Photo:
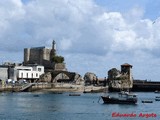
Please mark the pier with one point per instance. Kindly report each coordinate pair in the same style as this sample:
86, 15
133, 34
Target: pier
145, 86
140, 86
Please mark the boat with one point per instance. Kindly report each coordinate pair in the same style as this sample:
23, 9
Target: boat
123, 98
157, 98
56, 92
73, 94
35, 95
86, 91
147, 101
157, 91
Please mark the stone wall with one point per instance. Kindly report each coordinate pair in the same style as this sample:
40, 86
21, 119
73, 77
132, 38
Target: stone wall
120, 80
89, 77
3, 73
26, 55
46, 54
60, 67
35, 56
13, 74
47, 77
39, 55
43, 56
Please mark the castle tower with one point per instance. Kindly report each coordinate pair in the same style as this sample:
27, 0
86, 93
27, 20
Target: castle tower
127, 69
26, 55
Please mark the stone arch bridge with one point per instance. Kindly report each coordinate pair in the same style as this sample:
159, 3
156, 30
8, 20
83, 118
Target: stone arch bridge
60, 76
63, 76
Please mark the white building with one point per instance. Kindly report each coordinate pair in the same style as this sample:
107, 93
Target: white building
26, 72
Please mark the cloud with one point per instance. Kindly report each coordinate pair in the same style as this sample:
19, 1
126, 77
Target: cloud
87, 35
134, 14
65, 44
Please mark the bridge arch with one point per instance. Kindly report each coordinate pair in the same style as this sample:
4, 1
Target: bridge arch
62, 76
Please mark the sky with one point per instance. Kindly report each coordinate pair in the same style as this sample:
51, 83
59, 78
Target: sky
92, 35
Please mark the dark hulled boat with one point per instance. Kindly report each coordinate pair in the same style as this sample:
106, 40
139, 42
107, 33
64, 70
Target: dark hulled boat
157, 98
157, 91
123, 98
147, 101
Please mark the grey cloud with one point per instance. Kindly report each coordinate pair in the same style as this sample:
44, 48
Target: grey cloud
81, 28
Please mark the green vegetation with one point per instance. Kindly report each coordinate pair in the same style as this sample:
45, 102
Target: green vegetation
58, 59
121, 78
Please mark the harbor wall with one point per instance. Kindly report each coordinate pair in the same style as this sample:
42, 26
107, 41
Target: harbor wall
145, 86
140, 86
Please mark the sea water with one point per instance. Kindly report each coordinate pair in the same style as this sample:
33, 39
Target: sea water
48, 106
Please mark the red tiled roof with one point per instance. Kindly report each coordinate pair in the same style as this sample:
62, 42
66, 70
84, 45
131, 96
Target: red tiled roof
126, 64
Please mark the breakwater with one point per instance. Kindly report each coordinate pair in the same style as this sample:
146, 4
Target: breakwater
145, 86
140, 86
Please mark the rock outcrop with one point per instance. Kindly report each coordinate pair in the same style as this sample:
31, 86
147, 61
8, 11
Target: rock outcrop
47, 77
89, 78
78, 79
120, 79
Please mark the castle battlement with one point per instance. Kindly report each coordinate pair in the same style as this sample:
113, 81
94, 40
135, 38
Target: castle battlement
41, 56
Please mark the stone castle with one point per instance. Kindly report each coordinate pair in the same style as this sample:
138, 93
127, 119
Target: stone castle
121, 79
54, 71
42, 56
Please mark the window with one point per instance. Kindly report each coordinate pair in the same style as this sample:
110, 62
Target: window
39, 69
36, 74
32, 75
27, 75
21, 75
